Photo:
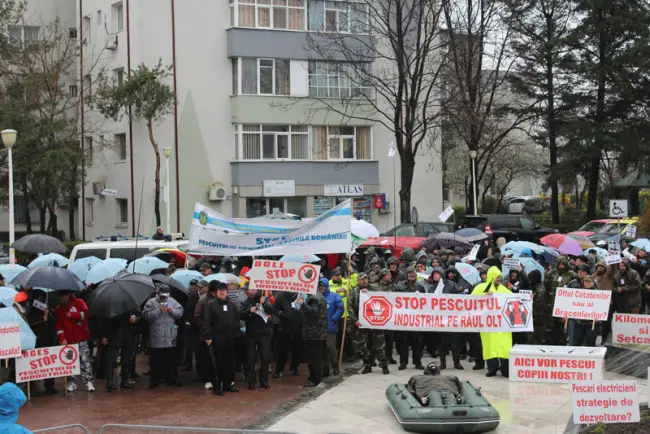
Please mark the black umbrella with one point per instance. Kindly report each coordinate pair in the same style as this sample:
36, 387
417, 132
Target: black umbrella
120, 294
177, 290
52, 278
447, 241
39, 243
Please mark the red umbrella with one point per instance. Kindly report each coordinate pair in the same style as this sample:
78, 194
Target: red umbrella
563, 244
167, 254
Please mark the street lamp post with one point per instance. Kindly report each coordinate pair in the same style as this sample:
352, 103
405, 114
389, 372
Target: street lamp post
9, 140
168, 154
473, 154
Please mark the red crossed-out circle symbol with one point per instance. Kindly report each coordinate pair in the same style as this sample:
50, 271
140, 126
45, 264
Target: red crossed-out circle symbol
377, 310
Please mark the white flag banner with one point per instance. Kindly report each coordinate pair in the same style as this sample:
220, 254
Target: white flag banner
392, 150
214, 234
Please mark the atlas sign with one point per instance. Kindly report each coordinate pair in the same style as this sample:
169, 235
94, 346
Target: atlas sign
378, 310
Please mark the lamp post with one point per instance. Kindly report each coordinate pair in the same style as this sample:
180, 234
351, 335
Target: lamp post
168, 153
473, 154
9, 140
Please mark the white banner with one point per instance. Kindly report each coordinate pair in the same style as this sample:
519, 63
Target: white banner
446, 312
606, 402
9, 341
48, 362
214, 234
582, 304
612, 259
444, 216
631, 329
284, 276
555, 364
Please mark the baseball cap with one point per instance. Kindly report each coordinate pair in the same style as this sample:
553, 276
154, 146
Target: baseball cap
164, 289
362, 275
336, 272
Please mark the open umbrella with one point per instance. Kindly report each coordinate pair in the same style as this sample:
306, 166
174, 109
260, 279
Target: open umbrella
51, 259
472, 234
103, 270
530, 264
305, 259
563, 244
447, 241
7, 296
120, 294
178, 291
9, 271
518, 246
468, 272
146, 265
642, 243
363, 229
56, 279
82, 266
39, 243
599, 251
224, 277
185, 276
584, 242
8, 315
167, 255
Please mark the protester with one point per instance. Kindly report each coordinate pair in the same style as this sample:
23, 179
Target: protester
161, 313
314, 333
2, 280
255, 312
159, 235
72, 328
288, 309
583, 331
334, 314
203, 359
206, 269
197, 288
406, 339
11, 399
43, 323
118, 339
627, 297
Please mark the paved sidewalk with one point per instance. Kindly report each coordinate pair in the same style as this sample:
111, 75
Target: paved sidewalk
358, 405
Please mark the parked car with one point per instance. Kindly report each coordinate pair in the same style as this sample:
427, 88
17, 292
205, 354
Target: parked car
591, 227
611, 229
4, 255
510, 227
122, 249
523, 204
422, 229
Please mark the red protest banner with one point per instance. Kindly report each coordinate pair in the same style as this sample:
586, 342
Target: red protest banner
284, 276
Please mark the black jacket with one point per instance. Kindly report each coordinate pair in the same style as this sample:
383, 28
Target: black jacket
315, 311
255, 325
220, 322
291, 320
45, 331
190, 307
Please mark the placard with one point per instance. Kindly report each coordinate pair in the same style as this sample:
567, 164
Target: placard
631, 231
607, 402
9, 341
48, 362
549, 364
612, 259
284, 276
444, 216
472, 253
630, 329
576, 303
511, 263
446, 312
613, 246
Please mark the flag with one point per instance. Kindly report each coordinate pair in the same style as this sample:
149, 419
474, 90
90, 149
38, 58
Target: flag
391, 150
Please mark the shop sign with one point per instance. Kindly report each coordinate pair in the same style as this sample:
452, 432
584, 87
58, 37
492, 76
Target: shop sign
279, 188
380, 201
345, 190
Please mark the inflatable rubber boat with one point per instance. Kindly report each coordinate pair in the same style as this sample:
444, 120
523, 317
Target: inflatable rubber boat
475, 415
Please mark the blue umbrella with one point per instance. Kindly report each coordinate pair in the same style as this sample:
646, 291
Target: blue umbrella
7, 295
122, 262
146, 265
8, 315
468, 272
599, 251
80, 267
518, 246
472, 234
186, 276
300, 258
9, 271
530, 264
103, 270
642, 243
49, 260
224, 277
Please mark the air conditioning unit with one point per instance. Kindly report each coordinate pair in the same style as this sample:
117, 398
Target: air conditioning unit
112, 43
386, 210
217, 192
98, 187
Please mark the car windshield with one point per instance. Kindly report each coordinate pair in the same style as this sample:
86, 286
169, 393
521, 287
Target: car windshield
611, 228
592, 226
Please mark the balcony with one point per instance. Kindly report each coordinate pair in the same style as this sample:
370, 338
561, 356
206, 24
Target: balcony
253, 173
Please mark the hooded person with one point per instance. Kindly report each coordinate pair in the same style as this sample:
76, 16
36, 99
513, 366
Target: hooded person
405, 259
334, 314
430, 382
542, 312
496, 345
627, 296
314, 333
11, 399
581, 331
558, 278
604, 278
517, 280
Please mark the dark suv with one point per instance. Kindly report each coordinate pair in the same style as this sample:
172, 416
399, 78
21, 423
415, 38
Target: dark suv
511, 227
422, 229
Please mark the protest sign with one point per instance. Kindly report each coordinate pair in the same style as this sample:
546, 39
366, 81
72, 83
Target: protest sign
444, 216
631, 329
613, 246
556, 364
511, 263
582, 303
612, 259
284, 276
9, 341
472, 253
446, 312
48, 362
606, 402
212, 233
631, 231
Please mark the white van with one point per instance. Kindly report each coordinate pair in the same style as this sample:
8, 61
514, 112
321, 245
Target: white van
123, 249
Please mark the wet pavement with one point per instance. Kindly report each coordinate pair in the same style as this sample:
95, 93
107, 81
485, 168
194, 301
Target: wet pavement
190, 405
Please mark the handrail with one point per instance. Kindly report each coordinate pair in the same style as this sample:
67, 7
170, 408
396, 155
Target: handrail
62, 427
185, 428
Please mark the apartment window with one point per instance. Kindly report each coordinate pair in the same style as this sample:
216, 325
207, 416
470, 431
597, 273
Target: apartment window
73, 91
270, 14
265, 76
120, 146
273, 142
122, 212
262, 206
342, 143
119, 76
338, 80
88, 88
88, 148
90, 211
21, 35
338, 16
117, 16
73, 32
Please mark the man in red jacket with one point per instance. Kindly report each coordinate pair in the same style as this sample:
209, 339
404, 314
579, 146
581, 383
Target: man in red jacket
72, 328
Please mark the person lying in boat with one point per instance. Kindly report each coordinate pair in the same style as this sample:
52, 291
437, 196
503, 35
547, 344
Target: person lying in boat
423, 386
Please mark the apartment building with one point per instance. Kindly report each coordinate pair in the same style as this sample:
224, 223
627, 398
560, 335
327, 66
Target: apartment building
250, 133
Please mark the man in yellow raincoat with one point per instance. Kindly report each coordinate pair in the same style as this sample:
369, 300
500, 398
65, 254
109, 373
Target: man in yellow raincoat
496, 345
